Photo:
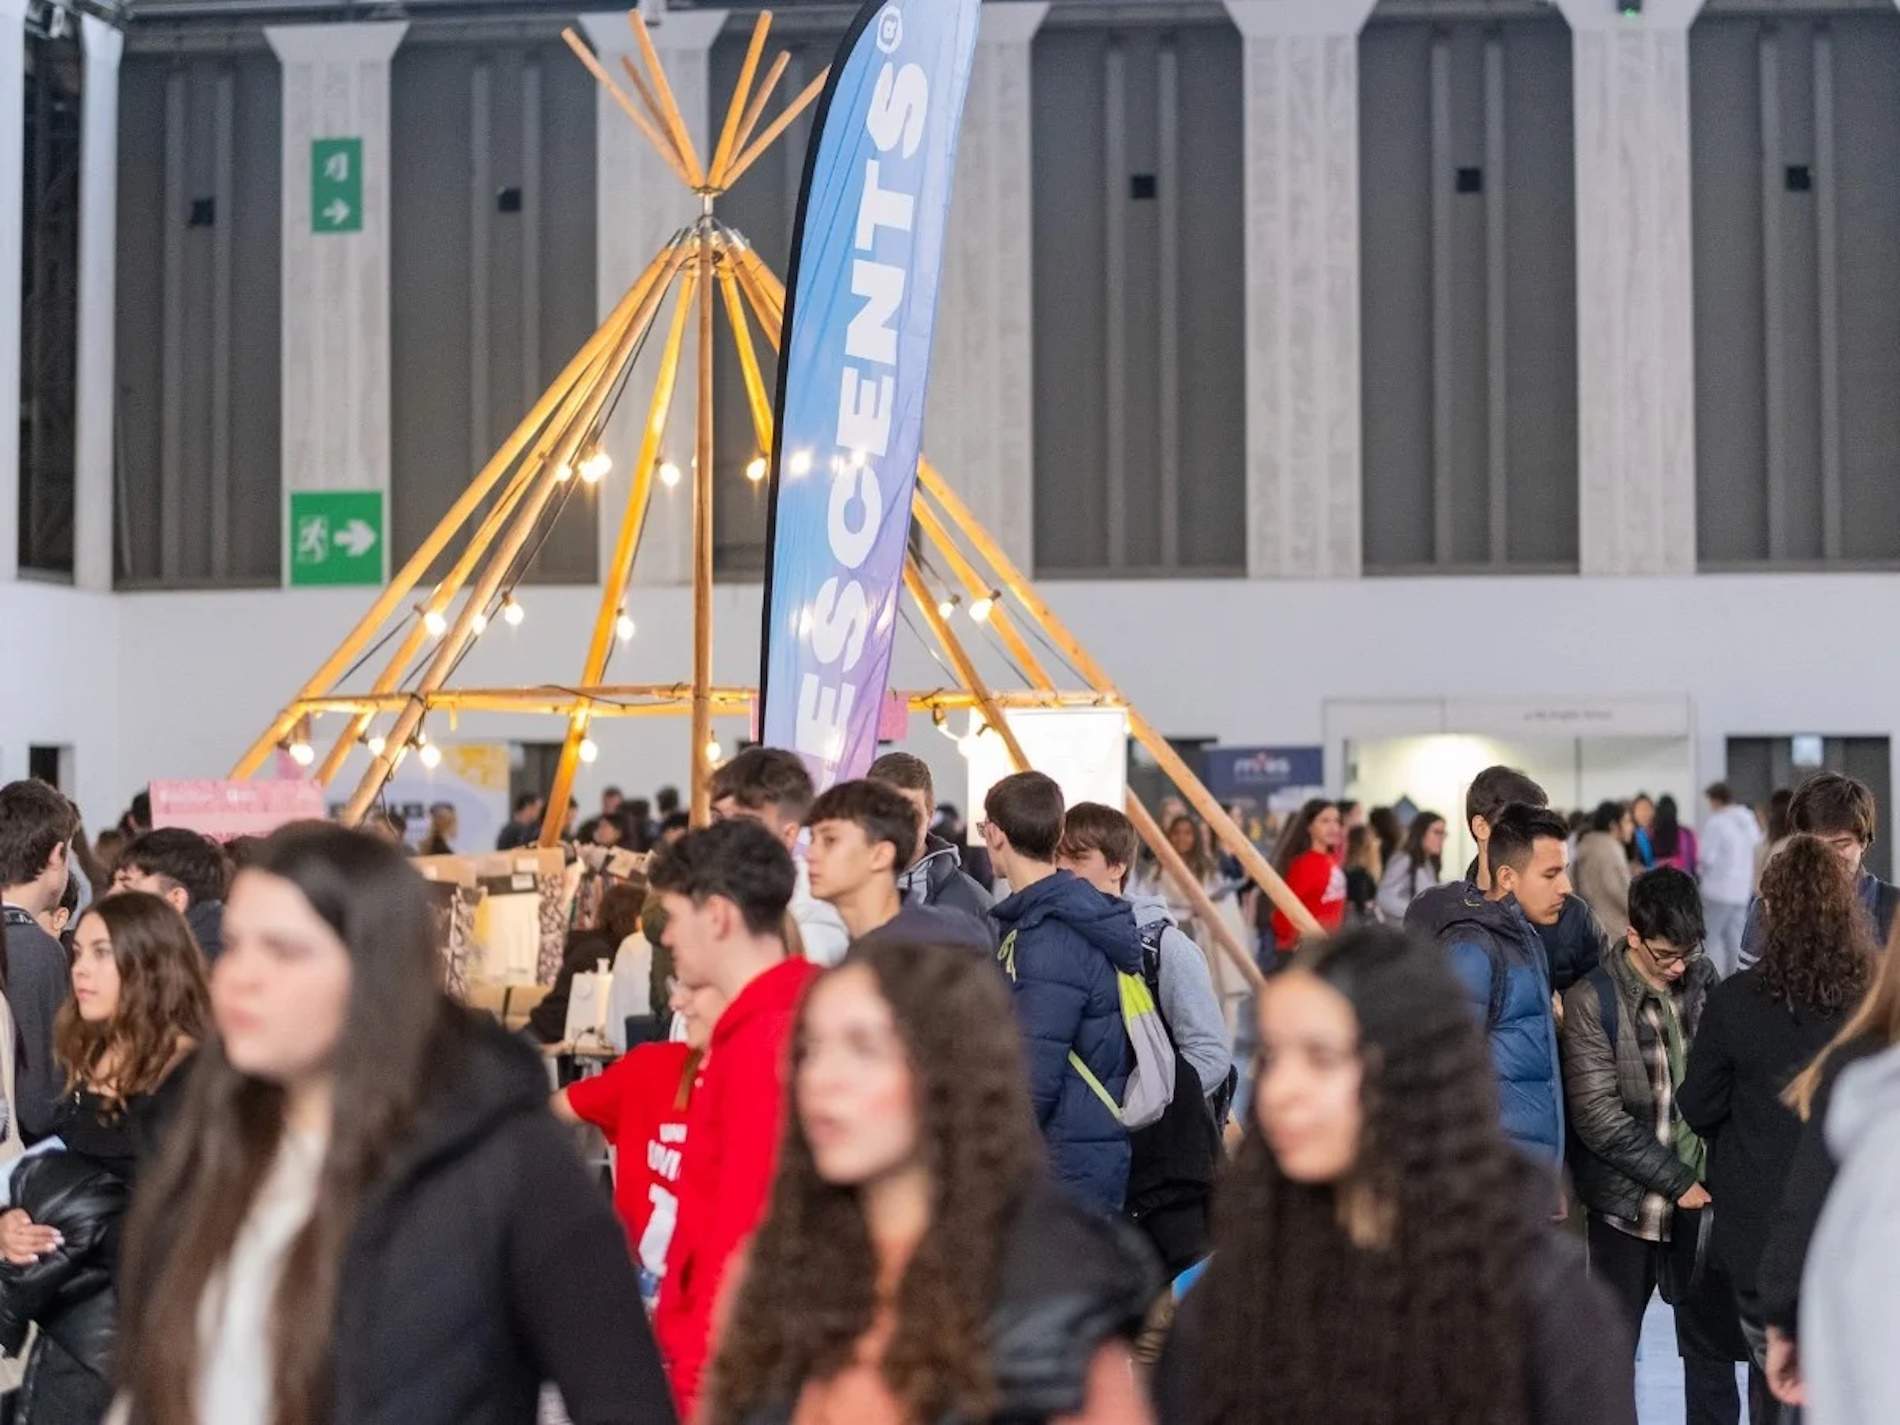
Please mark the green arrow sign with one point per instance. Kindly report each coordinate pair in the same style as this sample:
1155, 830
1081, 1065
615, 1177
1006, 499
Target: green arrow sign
336, 537
336, 185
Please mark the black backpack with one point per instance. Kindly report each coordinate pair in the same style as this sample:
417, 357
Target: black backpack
1176, 1157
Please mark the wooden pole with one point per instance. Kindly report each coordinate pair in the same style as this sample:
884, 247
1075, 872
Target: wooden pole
669, 106
613, 587
662, 144
1158, 747
703, 542
615, 700
736, 106
450, 649
774, 129
748, 358
757, 106
465, 504
1177, 869
974, 588
966, 670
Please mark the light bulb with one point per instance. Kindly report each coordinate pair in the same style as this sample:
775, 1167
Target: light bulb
755, 469
595, 465
623, 627
589, 749
714, 751
669, 474
430, 754
302, 753
982, 608
563, 473
946, 607
512, 612
480, 623
435, 623
801, 463
376, 744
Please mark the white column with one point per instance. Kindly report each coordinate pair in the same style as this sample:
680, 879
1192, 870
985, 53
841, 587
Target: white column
1305, 440
335, 417
98, 296
1635, 288
12, 258
979, 427
639, 202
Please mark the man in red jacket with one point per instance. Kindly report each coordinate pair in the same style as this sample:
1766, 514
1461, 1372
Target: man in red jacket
726, 890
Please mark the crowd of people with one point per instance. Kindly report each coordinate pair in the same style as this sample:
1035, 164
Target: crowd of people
989, 1127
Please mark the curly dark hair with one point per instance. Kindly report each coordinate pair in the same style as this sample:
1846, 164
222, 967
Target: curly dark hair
1431, 1312
1819, 944
809, 1291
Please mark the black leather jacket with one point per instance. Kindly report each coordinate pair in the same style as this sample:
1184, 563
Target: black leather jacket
69, 1290
1072, 1280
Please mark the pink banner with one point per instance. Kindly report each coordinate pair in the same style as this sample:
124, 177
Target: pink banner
226, 810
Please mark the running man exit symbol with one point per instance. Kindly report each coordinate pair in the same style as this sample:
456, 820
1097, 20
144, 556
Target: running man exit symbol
336, 537
336, 185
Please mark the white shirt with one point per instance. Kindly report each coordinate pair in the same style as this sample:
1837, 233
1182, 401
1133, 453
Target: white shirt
1729, 839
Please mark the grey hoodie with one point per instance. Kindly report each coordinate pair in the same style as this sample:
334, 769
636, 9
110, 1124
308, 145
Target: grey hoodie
1850, 1293
1188, 1001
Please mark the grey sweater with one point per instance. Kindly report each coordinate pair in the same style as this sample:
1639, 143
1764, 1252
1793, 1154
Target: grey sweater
1850, 1292
1188, 1001
37, 982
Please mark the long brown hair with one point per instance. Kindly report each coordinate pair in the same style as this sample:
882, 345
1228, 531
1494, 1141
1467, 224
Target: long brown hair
1433, 1314
194, 1200
162, 1000
1819, 950
1878, 1019
1198, 860
1297, 839
809, 1291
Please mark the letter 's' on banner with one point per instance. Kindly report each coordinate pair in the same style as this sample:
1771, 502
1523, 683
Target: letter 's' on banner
853, 364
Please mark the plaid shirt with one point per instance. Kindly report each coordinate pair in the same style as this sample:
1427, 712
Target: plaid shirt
1657, 1211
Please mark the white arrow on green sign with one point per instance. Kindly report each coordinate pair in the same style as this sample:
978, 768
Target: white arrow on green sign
336, 537
336, 185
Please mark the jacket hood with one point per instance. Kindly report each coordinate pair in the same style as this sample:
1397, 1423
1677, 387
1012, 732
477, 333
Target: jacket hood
483, 1076
206, 919
1106, 922
1867, 1095
940, 858
1444, 907
1150, 908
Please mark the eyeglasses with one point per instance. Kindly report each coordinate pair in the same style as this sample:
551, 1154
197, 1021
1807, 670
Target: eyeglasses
1673, 958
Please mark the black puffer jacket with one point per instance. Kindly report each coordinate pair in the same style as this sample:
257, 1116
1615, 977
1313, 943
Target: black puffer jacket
939, 879
68, 1291
1073, 1280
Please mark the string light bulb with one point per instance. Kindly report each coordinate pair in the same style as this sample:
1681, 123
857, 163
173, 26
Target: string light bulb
623, 626
376, 744
595, 465
435, 623
480, 623
755, 469
512, 612
981, 610
302, 753
947, 605
669, 474
563, 473
714, 752
428, 752
589, 750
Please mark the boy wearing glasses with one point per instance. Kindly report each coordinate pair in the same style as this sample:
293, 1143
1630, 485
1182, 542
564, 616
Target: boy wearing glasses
1627, 1027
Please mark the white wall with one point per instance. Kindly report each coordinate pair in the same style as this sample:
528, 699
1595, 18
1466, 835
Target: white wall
176, 684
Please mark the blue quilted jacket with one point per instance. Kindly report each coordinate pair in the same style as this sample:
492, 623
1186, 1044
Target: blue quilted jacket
1067, 941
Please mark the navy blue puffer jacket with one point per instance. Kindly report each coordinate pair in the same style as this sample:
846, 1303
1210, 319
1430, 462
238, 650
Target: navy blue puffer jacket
1067, 941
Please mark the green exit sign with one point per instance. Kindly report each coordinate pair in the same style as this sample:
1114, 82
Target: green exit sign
336, 185
336, 537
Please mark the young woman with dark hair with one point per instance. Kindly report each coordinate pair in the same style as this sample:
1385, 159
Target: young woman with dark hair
1307, 859
1673, 843
364, 1212
1417, 867
916, 1265
1760, 1029
137, 1013
1381, 1253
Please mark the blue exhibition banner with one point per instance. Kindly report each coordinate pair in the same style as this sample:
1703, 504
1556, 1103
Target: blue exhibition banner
861, 299
1264, 778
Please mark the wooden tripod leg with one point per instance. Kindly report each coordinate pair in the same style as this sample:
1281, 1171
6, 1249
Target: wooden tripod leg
775, 128
740, 91
966, 670
455, 642
757, 106
614, 585
1178, 872
465, 505
661, 143
669, 106
748, 358
703, 546
974, 588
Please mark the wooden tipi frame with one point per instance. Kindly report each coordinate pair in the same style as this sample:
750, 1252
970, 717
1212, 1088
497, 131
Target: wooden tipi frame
557, 442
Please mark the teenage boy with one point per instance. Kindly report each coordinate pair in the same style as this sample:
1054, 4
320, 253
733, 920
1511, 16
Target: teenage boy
37, 826
185, 868
1063, 945
1574, 942
933, 869
1841, 812
725, 890
861, 834
1501, 961
770, 785
1638, 1167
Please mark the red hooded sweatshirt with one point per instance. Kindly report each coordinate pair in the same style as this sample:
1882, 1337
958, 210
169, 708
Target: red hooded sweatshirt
733, 1126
